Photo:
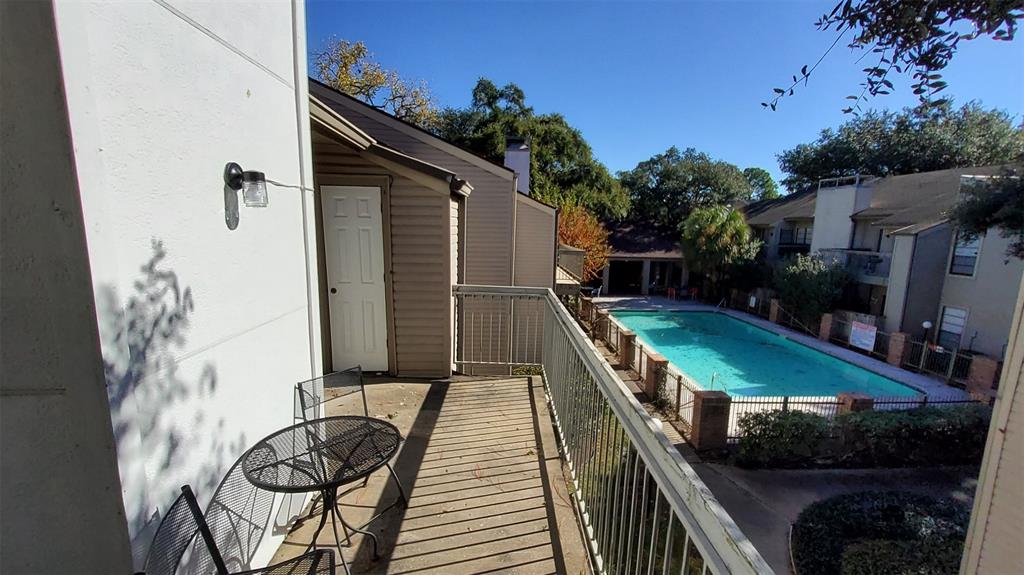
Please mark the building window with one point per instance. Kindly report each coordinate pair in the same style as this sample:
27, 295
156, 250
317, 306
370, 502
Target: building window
951, 328
803, 235
965, 255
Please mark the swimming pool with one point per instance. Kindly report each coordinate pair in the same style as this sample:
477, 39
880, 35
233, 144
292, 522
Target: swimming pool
723, 353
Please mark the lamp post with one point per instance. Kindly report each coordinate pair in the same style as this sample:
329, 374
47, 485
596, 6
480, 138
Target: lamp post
927, 325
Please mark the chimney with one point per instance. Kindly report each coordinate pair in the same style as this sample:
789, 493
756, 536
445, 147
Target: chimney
517, 158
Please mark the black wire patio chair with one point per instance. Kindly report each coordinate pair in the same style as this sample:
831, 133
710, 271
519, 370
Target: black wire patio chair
178, 530
238, 515
311, 398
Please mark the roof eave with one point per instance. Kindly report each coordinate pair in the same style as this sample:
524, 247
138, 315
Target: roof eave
339, 125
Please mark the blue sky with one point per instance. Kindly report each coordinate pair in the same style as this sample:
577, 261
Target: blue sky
637, 78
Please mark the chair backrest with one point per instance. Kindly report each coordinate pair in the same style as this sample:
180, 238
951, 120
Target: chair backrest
312, 394
237, 516
176, 532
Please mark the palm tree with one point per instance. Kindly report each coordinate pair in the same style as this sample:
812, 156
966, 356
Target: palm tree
715, 238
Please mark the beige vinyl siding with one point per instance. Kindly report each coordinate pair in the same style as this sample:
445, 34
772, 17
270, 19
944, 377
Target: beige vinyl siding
535, 243
488, 257
997, 522
987, 295
418, 255
534, 267
420, 279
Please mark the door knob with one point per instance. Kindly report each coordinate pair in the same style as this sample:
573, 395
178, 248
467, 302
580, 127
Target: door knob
334, 290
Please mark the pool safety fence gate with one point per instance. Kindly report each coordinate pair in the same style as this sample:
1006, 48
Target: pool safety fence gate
951, 364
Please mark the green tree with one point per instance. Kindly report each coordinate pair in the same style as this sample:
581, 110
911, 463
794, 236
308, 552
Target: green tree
913, 140
715, 238
350, 68
994, 203
762, 186
563, 170
914, 37
668, 186
809, 286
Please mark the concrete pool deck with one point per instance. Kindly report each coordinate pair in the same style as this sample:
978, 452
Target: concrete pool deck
935, 389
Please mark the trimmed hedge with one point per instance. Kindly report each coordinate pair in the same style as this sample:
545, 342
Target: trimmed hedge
780, 438
881, 557
926, 436
880, 532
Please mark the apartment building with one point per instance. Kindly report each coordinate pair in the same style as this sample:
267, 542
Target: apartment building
908, 264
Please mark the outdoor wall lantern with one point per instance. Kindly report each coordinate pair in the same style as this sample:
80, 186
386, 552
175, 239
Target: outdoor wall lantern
252, 183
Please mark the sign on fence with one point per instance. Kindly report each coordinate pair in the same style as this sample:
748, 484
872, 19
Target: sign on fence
752, 302
863, 335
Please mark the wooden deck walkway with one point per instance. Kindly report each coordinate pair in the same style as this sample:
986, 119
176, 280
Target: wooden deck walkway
487, 493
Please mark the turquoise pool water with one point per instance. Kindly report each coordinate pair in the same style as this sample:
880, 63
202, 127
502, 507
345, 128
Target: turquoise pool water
746, 360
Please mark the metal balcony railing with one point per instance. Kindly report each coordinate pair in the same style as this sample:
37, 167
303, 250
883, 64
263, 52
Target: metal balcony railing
643, 508
860, 263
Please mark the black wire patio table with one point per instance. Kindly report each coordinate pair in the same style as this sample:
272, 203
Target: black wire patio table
321, 455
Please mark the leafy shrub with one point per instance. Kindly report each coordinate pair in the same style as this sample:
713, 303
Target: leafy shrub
809, 286
881, 557
825, 531
926, 436
780, 438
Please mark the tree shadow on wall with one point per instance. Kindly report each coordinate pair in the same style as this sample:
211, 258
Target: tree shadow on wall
158, 402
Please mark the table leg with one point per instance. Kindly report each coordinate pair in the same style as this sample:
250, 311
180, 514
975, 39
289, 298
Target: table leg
370, 534
320, 527
334, 527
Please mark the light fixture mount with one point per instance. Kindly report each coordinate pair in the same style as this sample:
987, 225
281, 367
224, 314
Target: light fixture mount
252, 183
233, 176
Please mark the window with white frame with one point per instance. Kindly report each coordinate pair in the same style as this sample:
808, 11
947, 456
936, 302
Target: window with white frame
965, 255
951, 327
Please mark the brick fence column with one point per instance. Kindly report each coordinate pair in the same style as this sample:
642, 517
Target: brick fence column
773, 311
600, 331
897, 348
852, 402
656, 364
982, 375
825, 331
710, 420
627, 343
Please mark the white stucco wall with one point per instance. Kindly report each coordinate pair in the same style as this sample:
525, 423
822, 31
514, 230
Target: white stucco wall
833, 207
203, 349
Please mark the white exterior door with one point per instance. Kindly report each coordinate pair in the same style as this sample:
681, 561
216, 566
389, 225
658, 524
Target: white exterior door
354, 240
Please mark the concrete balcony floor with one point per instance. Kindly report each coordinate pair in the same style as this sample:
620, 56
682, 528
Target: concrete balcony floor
487, 491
